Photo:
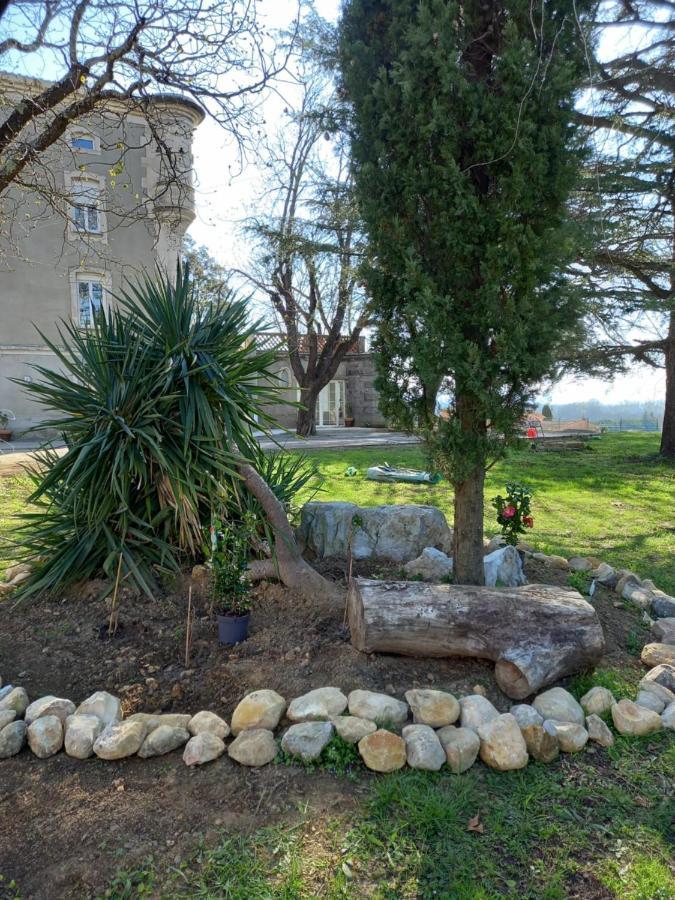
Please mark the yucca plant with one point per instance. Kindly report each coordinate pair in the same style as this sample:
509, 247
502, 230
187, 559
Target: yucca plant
157, 403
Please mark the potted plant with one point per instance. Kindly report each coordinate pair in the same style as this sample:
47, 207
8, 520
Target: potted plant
5, 432
349, 417
230, 587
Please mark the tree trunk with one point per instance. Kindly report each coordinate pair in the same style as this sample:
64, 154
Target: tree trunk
468, 518
668, 432
535, 634
306, 421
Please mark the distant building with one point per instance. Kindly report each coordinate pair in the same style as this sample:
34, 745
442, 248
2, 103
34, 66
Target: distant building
105, 208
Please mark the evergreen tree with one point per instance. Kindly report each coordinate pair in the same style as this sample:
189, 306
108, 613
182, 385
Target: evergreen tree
546, 411
464, 156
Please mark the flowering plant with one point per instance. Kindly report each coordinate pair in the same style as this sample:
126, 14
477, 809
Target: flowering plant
513, 511
227, 559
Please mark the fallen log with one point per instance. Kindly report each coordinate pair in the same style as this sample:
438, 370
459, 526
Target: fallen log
536, 634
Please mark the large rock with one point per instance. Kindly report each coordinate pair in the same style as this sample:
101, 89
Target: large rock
6, 716
253, 747
606, 575
476, 710
431, 565
502, 745
580, 564
663, 606
154, 720
398, 533
307, 739
650, 700
423, 748
379, 708
259, 709
668, 717
663, 675
16, 698
658, 654
81, 733
321, 703
431, 707
383, 751
598, 731
12, 738
103, 705
163, 739
461, 747
206, 721
45, 736
524, 714
203, 748
629, 718
352, 728
49, 706
542, 743
571, 737
559, 705
598, 700
120, 740
504, 568
664, 630
653, 687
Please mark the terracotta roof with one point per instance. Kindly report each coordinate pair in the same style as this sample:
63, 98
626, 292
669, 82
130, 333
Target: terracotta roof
279, 342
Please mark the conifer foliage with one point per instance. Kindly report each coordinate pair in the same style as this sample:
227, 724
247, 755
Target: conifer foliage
464, 154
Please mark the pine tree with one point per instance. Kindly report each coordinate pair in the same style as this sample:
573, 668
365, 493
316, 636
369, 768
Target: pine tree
464, 155
547, 412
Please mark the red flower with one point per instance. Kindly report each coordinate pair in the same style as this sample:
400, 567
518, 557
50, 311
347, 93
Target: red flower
528, 521
509, 512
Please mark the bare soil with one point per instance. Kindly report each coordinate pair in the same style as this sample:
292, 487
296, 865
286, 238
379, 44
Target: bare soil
67, 825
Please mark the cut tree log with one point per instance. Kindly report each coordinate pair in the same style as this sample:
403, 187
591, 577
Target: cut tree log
536, 634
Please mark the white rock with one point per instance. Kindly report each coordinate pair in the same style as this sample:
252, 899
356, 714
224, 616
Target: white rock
319, 704
629, 718
605, 575
45, 736
524, 714
16, 698
662, 674
6, 716
653, 687
597, 700
559, 705
664, 630
101, 704
16, 571
431, 565
206, 721
259, 709
423, 748
352, 728
49, 706
502, 745
307, 739
598, 731
163, 739
253, 747
431, 707
571, 737
650, 700
81, 733
120, 740
476, 710
580, 564
154, 720
379, 708
658, 654
461, 747
504, 567
203, 748
668, 717
12, 738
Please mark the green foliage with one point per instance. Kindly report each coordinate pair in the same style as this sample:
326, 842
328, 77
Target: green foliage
338, 757
156, 402
547, 412
581, 581
228, 552
513, 511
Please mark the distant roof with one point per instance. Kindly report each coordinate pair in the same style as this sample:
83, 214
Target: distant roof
279, 342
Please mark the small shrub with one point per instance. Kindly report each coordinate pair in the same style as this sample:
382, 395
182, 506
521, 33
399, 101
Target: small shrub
513, 511
580, 581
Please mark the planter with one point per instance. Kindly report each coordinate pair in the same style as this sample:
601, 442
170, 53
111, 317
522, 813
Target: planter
349, 422
233, 629
5, 434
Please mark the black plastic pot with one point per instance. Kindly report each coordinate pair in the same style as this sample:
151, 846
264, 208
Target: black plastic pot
233, 629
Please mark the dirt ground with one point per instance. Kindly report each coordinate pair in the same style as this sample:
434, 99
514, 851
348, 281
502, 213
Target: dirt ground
67, 825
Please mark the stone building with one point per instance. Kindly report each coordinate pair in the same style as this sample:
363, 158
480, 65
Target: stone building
104, 205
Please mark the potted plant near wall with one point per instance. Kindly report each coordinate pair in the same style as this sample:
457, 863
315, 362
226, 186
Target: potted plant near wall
349, 417
5, 432
230, 586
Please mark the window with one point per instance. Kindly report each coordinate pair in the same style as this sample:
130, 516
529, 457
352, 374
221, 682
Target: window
90, 296
84, 141
85, 197
284, 376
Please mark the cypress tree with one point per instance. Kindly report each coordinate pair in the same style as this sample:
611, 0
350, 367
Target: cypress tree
464, 154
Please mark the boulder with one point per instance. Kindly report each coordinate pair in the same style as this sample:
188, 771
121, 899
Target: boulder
638, 596
423, 748
559, 705
163, 739
579, 564
598, 731
4, 691
668, 717
12, 738
383, 751
664, 630
652, 687
13, 571
253, 747
379, 708
476, 710
571, 737
397, 533
6, 716
154, 720
120, 740
45, 736
650, 700
431, 707
606, 575
259, 709
504, 568
321, 703
558, 562
542, 743
352, 728
658, 654
502, 745
663, 606
663, 675
307, 739
461, 747
81, 733
524, 714
203, 748
495, 542
49, 706
103, 705
431, 565
625, 578
15, 698
206, 721
597, 700
629, 718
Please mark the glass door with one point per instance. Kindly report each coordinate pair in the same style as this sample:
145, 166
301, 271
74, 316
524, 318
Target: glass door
330, 405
